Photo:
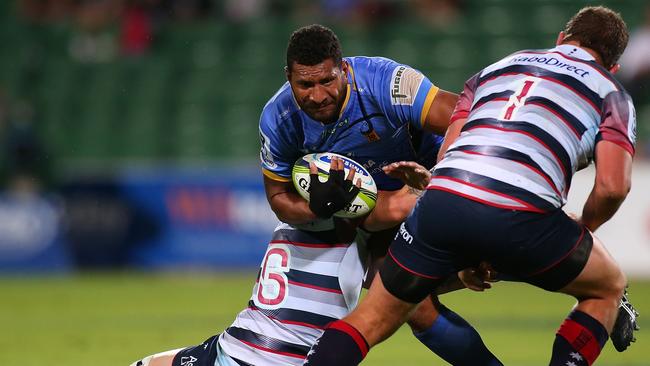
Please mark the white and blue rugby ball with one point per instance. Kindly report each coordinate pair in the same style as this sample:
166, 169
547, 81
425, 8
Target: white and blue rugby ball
365, 200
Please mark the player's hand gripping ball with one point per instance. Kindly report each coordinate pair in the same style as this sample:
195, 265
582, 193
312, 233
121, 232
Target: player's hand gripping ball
334, 195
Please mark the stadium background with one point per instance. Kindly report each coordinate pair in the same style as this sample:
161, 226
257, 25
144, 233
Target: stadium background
132, 215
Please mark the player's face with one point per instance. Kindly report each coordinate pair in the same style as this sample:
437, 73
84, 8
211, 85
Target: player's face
319, 89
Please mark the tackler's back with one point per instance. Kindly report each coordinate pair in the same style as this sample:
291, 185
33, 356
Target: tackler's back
533, 120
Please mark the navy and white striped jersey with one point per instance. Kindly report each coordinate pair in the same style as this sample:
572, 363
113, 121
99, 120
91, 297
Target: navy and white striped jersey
307, 280
533, 120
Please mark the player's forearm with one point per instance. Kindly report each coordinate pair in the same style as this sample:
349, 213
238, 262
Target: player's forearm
289, 207
391, 209
601, 206
452, 134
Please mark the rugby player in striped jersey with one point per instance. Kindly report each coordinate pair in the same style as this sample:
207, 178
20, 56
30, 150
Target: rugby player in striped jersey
521, 129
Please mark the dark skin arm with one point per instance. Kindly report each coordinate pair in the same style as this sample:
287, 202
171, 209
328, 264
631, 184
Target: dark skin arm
612, 184
391, 209
394, 206
287, 204
439, 115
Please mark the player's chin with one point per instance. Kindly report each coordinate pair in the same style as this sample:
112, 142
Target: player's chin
323, 115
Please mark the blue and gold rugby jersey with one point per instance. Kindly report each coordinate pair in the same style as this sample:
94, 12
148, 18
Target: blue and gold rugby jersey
386, 102
309, 278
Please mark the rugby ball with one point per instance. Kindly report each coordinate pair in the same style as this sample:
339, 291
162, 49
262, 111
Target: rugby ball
365, 200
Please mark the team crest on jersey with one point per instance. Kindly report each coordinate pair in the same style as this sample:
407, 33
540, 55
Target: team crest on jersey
368, 131
372, 136
404, 85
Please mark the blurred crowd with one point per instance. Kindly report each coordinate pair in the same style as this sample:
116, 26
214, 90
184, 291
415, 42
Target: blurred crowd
137, 20
37, 206
104, 30
94, 13
25, 162
109, 28
635, 63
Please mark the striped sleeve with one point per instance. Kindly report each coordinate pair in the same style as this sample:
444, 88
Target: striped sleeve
466, 99
618, 121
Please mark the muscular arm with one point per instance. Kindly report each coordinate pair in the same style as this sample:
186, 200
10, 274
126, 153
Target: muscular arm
452, 134
611, 186
459, 116
392, 208
288, 206
438, 117
613, 155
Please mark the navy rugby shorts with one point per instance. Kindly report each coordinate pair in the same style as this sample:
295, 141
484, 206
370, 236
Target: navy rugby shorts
208, 353
446, 233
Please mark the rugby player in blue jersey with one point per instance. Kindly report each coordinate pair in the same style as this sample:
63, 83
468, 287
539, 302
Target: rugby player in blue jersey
377, 112
522, 127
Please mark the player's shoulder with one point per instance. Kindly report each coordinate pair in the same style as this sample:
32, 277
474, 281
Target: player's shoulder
367, 67
619, 97
509, 59
280, 107
379, 75
370, 61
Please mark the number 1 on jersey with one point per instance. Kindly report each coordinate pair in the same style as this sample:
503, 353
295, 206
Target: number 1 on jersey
518, 99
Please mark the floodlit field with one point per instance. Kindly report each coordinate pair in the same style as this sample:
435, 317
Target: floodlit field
113, 319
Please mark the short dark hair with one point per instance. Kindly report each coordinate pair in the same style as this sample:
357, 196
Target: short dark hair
601, 29
312, 45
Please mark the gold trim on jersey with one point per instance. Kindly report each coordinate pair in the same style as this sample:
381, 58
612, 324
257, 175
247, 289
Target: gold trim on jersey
348, 92
274, 176
351, 71
431, 95
345, 102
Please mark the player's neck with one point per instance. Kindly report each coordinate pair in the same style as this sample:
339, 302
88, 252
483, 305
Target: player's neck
341, 106
593, 53
345, 100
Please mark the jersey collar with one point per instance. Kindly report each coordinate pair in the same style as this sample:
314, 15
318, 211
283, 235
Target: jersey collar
574, 51
347, 91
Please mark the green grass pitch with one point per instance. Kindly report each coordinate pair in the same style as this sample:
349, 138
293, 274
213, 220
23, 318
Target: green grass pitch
113, 319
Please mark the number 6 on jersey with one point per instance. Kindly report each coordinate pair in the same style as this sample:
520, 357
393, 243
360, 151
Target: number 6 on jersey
273, 285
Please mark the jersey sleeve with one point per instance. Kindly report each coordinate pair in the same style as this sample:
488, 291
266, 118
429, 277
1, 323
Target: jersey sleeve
276, 152
405, 94
427, 151
618, 121
465, 100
